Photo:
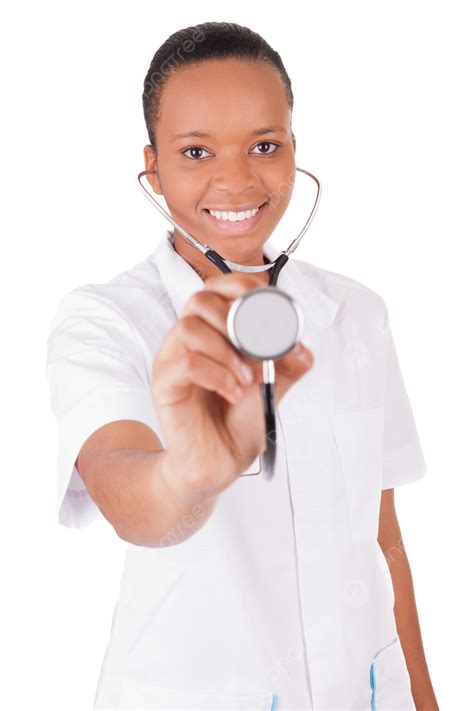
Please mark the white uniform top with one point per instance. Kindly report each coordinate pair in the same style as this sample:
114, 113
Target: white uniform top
283, 599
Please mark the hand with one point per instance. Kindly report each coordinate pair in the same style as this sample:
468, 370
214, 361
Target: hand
213, 434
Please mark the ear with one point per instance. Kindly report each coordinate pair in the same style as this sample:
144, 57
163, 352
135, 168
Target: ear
294, 142
150, 157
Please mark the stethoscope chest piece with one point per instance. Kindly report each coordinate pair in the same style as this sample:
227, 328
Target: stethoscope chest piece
265, 324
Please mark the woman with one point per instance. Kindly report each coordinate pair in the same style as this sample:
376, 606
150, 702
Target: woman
238, 592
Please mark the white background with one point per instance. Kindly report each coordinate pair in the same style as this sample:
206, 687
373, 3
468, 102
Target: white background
383, 115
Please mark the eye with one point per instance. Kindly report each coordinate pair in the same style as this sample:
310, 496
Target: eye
196, 149
193, 148
268, 143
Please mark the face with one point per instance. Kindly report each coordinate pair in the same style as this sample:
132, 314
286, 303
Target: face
239, 155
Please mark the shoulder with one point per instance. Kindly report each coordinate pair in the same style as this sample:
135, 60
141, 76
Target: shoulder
355, 300
127, 300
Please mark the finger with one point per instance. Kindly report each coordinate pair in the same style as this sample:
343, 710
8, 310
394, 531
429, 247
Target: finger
210, 307
214, 309
173, 379
299, 359
213, 303
199, 337
292, 367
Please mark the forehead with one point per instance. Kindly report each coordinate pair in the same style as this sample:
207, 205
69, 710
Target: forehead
223, 96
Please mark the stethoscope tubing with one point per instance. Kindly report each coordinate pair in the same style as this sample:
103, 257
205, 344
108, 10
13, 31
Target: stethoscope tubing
226, 266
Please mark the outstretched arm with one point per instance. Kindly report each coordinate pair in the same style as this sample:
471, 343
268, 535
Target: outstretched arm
406, 616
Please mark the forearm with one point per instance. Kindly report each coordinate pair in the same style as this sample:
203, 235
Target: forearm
138, 494
408, 628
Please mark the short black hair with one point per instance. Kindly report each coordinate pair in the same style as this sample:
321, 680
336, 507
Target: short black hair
195, 44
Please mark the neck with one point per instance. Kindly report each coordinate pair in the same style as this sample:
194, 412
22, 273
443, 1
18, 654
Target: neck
205, 268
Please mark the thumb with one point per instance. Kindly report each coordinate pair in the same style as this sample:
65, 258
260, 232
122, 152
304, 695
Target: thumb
287, 370
292, 367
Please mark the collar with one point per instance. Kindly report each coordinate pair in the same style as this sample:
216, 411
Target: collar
181, 281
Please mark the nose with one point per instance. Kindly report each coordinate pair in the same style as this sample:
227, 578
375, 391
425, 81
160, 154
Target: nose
234, 176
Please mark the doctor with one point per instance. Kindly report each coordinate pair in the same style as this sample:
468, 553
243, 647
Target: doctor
238, 593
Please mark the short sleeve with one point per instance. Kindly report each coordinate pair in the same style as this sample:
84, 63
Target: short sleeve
403, 460
96, 374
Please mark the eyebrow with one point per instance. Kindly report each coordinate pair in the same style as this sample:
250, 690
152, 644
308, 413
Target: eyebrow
201, 134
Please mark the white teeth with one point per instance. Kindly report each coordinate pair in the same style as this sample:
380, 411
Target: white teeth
234, 216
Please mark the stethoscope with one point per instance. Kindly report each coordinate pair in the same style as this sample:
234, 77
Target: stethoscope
265, 323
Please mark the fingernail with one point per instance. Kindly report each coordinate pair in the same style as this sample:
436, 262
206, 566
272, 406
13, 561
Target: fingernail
247, 372
303, 355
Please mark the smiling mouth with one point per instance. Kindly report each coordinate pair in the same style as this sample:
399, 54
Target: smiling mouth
236, 227
235, 211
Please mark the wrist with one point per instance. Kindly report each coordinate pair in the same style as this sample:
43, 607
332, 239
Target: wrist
185, 487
